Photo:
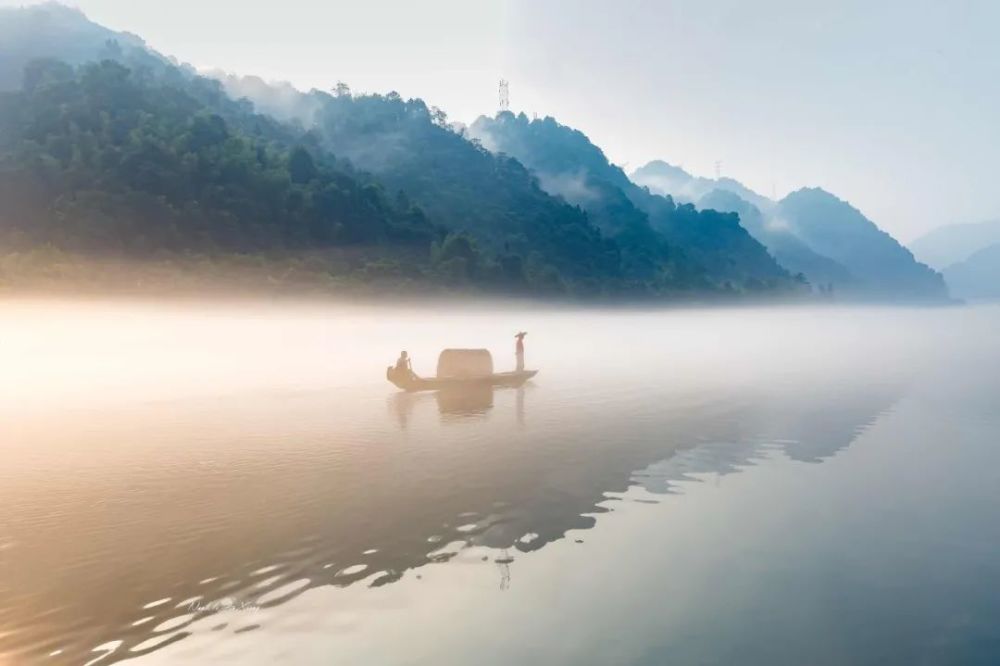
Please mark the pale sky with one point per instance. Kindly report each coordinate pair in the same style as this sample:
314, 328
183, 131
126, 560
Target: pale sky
893, 105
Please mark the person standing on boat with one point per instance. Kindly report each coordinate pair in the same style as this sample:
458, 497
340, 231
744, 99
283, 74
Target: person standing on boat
519, 351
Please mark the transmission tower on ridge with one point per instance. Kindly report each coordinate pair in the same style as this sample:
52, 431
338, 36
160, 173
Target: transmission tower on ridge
718, 169
504, 95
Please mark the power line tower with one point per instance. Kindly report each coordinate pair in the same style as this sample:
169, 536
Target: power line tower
718, 169
503, 563
504, 95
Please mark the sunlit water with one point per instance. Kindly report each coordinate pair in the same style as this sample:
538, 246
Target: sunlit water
237, 483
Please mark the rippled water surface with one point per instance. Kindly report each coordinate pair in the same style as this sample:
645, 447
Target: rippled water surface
237, 483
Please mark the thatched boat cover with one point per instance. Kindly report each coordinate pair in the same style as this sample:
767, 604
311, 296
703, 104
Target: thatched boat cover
465, 363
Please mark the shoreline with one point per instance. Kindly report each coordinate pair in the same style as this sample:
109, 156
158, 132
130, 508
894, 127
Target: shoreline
46, 274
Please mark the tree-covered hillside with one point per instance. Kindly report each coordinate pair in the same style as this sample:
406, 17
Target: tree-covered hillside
410, 147
570, 175
507, 207
570, 165
790, 251
102, 158
108, 160
107, 147
55, 31
112, 161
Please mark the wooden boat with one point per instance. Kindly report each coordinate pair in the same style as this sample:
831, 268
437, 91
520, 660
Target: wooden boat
511, 379
460, 369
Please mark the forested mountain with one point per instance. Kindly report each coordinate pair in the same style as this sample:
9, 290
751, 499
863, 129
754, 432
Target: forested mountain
103, 158
569, 165
109, 147
135, 155
977, 276
946, 246
515, 234
54, 31
835, 229
494, 197
789, 250
465, 188
111, 161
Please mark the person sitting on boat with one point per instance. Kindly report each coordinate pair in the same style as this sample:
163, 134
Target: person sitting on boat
519, 351
404, 368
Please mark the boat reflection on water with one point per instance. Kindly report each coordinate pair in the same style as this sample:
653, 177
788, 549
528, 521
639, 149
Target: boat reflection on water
473, 402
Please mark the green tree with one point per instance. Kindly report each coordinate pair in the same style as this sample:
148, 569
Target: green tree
301, 166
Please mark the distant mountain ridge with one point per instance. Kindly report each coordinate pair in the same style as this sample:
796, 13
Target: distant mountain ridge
968, 255
976, 277
813, 232
835, 229
955, 243
663, 178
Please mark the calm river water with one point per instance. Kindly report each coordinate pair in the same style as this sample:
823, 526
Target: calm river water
237, 483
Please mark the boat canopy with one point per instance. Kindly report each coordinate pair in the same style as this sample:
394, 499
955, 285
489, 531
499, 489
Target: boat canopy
461, 363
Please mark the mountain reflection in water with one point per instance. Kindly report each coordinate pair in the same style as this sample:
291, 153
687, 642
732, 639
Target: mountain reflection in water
130, 522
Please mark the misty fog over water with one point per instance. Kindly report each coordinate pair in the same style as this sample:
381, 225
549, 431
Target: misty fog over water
236, 482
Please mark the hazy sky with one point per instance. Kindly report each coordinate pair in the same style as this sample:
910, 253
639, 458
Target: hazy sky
893, 105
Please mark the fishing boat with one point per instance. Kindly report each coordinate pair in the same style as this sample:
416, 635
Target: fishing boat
458, 369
